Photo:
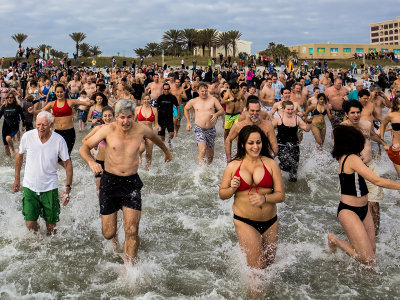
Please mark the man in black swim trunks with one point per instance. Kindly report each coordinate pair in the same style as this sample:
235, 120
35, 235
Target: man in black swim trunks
120, 184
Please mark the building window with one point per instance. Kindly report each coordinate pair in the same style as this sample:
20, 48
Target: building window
359, 50
334, 50
384, 50
374, 34
396, 31
374, 28
390, 31
391, 25
346, 50
386, 33
320, 50
374, 40
381, 39
396, 37
386, 39
395, 24
310, 51
390, 38
385, 26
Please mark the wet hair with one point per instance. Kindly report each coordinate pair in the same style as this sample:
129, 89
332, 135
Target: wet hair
60, 85
145, 95
316, 88
286, 103
323, 96
49, 116
166, 84
83, 92
104, 102
351, 103
8, 95
102, 87
363, 92
283, 89
347, 140
243, 84
234, 85
396, 103
252, 99
124, 106
108, 108
244, 136
202, 85
30, 98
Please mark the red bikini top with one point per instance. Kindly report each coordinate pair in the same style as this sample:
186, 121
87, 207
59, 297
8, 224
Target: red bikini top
150, 119
64, 111
266, 182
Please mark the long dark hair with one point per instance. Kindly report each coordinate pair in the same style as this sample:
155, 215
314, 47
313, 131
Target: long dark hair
396, 103
347, 140
244, 136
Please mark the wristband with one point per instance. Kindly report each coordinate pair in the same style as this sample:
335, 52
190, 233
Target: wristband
68, 185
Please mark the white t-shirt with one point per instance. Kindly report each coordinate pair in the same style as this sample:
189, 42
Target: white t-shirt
42, 160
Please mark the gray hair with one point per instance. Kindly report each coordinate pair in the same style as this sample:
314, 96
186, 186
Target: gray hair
47, 115
359, 82
124, 106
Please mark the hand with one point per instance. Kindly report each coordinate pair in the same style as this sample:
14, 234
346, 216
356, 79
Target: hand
395, 147
235, 182
213, 118
92, 102
158, 127
96, 168
168, 156
257, 199
66, 195
16, 185
188, 126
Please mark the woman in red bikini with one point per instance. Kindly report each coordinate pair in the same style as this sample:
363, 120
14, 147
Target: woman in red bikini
255, 181
147, 115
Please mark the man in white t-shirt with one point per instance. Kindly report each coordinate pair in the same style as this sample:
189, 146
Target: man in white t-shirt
43, 147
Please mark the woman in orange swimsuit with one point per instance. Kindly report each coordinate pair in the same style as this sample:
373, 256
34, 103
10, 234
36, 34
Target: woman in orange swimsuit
147, 115
255, 181
393, 117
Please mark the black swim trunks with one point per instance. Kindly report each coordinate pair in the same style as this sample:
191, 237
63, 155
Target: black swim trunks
101, 162
118, 191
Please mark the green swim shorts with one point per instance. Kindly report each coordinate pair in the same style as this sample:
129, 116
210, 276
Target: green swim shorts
46, 205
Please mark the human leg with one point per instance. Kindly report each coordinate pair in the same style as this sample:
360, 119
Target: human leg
131, 227
149, 153
202, 152
317, 136
373, 208
270, 243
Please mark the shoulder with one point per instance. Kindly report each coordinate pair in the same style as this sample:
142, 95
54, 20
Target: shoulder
233, 166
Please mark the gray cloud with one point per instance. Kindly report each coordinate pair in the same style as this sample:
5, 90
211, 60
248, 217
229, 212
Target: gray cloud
122, 25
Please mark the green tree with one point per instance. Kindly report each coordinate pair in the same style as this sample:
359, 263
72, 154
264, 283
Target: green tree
85, 49
55, 53
207, 38
19, 38
190, 38
173, 39
141, 52
42, 48
234, 35
277, 50
95, 50
153, 49
78, 37
224, 40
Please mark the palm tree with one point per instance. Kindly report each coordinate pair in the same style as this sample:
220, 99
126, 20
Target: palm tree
173, 38
153, 49
235, 36
224, 40
190, 37
95, 50
85, 49
19, 38
141, 52
207, 38
42, 48
77, 37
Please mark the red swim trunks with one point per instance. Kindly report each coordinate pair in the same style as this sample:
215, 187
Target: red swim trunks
394, 156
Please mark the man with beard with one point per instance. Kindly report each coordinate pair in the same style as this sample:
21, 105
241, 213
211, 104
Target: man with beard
336, 94
253, 108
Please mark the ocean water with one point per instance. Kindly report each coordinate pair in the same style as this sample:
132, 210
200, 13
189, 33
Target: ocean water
188, 246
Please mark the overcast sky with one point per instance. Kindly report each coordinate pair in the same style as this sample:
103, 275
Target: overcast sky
123, 25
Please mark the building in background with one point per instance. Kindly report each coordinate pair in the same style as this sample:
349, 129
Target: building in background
333, 51
386, 32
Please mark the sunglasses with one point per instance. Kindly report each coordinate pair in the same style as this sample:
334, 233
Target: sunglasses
10, 97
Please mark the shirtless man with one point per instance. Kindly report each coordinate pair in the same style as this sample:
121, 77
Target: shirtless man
336, 94
120, 88
205, 119
74, 87
179, 92
297, 96
142, 77
379, 99
304, 90
234, 101
214, 89
253, 110
120, 184
357, 117
326, 81
267, 96
277, 108
155, 89
89, 87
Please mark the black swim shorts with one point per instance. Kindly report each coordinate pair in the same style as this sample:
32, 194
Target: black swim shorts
118, 191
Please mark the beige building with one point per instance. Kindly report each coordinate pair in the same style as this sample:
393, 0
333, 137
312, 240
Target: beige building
334, 51
386, 32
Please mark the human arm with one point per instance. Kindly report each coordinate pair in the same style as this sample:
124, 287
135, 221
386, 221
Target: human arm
72, 102
135, 117
19, 158
376, 138
90, 115
228, 97
68, 181
229, 183
273, 110
148, 133
270, 132
188, 106
310, 109
233, 133
220, 111
303, 125
156, 125
386, 120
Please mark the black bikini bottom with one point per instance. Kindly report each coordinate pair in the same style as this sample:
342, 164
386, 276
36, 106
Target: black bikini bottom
260, 226
361, 211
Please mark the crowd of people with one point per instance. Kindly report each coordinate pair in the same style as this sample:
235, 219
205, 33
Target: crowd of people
265, 110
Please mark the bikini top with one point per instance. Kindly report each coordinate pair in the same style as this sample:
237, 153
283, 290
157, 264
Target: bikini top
352, 184
142, 118
266, 182
96, 114
64, 111
102, 143
396, 126
317, 112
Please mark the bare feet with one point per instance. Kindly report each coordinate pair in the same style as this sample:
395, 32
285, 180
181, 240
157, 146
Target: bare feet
332, 242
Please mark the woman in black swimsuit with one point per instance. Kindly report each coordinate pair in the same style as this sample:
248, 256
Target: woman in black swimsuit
255, 181
353, 212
